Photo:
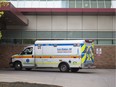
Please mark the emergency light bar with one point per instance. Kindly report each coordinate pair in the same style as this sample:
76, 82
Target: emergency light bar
89, 41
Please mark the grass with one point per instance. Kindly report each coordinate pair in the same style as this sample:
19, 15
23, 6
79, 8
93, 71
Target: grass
24, 84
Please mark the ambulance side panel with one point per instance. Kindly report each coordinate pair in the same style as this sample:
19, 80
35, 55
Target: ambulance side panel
51, 55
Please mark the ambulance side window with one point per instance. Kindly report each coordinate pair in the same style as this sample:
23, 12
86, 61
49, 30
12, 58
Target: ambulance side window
39, 46
27, 51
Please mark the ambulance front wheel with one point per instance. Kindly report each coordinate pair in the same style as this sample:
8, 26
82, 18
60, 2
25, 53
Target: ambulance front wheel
74, 69
64, 67
28, 69
18, 66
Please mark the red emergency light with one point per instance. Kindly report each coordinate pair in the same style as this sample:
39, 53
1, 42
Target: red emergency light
89, 41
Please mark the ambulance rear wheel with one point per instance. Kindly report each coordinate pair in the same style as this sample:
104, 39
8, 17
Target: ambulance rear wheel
18, 66
64, 67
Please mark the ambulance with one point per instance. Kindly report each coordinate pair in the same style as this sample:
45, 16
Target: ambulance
67, 55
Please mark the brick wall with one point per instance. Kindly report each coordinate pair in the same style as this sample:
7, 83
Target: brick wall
106, 60
108, 57
6, 51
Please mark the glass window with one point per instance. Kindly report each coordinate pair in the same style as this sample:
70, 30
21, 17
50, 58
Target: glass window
21, 4
17, 41
59, 35
49, 3
35, 4
28, 3
71, 3
11, 34
28, 34
86, 4
105, 34
78, 3
95, 41
113, 4
6, 41
114, 42
11, 41
114, 34
108, 3
101, 4
64, 3
27, 51
43, 35
28, 41
104, 41
89, 34
57, 4
93, 3
75, 35
42, 4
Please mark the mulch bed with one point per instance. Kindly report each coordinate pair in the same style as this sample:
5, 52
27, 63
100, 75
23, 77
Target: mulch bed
24, 84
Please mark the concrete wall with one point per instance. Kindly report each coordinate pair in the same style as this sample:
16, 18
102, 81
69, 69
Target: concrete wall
68, 23
106, 60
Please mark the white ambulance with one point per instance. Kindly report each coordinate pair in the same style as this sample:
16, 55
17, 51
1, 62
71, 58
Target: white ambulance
63, 54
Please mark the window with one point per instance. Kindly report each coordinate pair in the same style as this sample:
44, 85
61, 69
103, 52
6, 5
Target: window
55, 45
78, 3
28, 41
17, 41
6, 41
49, 3
86, 4
108, 3
57, 4
105, 34
72, 4
28, 3
93, 4
104, 42
64, 3
27, 51
39, 46
29, 34
42, 4
35, 4
101, 4
21, 4
114, 41
95, 41
59, 35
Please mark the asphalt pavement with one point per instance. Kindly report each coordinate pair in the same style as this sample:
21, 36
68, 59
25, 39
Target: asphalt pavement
83, 78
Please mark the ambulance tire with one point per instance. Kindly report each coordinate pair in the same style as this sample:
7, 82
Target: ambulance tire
18, 66
28, 69
74, 69
64, 67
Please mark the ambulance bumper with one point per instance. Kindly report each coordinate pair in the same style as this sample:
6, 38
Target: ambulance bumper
88, 66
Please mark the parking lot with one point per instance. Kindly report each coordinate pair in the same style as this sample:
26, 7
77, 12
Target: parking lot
83, 78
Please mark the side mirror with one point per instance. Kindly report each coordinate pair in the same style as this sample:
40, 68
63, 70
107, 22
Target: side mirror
22, 53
